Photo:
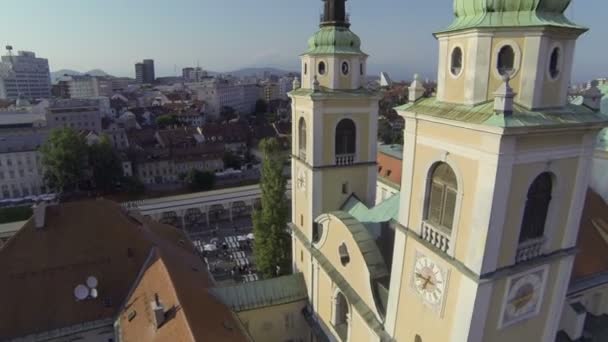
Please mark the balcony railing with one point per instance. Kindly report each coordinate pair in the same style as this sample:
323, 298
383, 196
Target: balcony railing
437, 237
529, 249
345, 159
302, 154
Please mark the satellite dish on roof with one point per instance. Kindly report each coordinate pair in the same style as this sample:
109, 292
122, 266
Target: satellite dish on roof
81, 292
93, 293
92, 282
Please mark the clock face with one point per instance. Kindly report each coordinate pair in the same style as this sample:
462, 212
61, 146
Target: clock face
523, 299
429, 280
301, 180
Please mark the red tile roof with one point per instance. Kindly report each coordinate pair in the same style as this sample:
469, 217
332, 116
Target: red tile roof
41, 267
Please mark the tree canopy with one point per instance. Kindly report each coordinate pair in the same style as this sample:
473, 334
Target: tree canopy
200, 180
64, 157
106, 167
272, 241
165, 121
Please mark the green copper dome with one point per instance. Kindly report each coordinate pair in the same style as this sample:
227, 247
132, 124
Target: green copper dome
334, 40
510, 13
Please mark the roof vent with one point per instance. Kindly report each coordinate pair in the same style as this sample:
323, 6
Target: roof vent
159, 311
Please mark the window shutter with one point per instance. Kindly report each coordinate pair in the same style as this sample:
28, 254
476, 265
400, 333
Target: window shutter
435, 203
449, 209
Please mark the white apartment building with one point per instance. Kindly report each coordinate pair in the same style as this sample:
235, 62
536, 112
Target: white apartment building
21, 172
24, 75
219, 93
285, 86
86, 86
79, 114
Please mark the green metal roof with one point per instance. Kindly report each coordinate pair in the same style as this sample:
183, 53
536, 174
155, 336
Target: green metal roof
393, 150
334, 40
325, 92
383, 212
510, 13
351, 295
366, 243
262, 293
483, 114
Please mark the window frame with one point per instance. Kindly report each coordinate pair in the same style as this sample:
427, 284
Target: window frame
451, 62
516, 58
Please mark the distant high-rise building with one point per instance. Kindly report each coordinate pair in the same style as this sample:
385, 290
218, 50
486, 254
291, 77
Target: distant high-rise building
194, 74
144, 72
24, 75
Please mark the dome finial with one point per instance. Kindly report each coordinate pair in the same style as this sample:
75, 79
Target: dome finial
334, 13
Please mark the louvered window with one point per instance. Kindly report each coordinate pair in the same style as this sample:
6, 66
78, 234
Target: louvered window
442, 196
537, 207
345, 137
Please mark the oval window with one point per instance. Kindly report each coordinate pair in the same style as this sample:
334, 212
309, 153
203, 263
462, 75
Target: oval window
322, 68
506, 60
456, 61
344, 255
345, 68
554, 63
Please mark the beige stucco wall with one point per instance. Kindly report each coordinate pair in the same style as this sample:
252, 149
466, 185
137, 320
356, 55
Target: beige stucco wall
413, 315
277, 323
531, 329
456, 85
495, 81
565, 171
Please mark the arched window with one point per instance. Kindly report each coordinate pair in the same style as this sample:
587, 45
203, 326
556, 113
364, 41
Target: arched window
317, 232
302, 138
506, 60
456, 61
346, 140
442, 196
554, 63
305, 68
537, 207
341, 315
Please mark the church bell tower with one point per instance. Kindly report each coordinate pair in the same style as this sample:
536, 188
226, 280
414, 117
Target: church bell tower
334, 123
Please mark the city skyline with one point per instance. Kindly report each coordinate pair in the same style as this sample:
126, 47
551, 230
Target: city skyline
113, 35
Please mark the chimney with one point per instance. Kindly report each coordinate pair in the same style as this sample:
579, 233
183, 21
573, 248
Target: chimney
39, 214
159, 311
415, 90
503, 97
592, 97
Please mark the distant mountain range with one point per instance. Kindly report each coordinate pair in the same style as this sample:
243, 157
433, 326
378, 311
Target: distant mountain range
55, 75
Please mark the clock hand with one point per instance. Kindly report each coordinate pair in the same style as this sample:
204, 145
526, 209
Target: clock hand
520, 301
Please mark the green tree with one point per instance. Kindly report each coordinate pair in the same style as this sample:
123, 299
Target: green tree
105, 165
261, 106
64, 157
165, 121
14, 214
272, 241
231, 160
133, 185
200, 180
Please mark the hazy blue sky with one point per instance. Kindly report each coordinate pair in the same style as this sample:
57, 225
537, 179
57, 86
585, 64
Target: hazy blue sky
223, 35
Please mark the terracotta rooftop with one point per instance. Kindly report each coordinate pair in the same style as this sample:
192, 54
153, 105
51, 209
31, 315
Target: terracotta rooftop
592, 257
41, 268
